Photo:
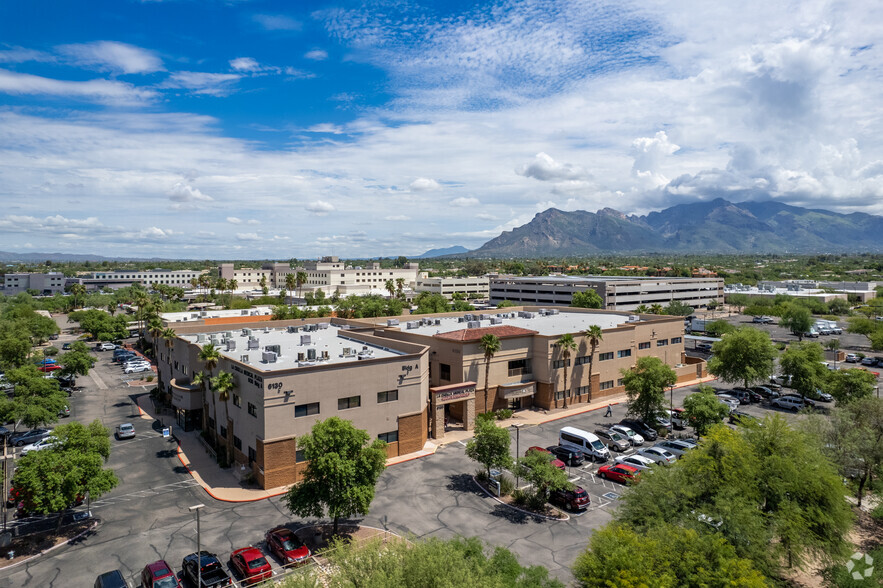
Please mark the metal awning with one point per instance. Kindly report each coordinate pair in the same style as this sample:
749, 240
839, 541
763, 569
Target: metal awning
516, 390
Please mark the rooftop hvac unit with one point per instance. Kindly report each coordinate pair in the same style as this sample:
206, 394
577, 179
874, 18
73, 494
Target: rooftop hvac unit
300, 355
521, 313
392, 322
543, 312
228, 334
436, 322
248, 332
291, 329
306, 339
194, 315
496, 321
345, 327
266, 329
200, 338
254, 343
277, 349
325, 355
469, 317
412, 324
322, 325
202, 313
484, 317
634, 318
311, 354
473, 324
243, 358
528, 315
366, 354
461, 319
553, 311
268, 357
244, 312
348, 352
231, 345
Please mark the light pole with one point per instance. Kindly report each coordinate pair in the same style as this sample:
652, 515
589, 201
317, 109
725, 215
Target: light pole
671, 401
517, 450
198, 546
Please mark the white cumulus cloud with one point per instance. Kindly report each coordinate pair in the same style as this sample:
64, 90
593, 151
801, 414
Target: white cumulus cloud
182, 192
248, 236
423, 185
113, 57
463, 202
316, 55
320, 207
649, 154
544, 168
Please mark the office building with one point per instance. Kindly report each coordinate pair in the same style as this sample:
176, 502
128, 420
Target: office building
471, 287
46, 284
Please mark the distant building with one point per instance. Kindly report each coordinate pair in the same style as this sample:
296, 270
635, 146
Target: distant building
45, 284
861, 291
472, 287
795, 290
123, 278
616, 292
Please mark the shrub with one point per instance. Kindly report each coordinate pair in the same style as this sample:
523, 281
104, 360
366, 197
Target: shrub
484, 416
50, 351
481, 476
504, 414
536, 502
507, 485
520, 497
149, 378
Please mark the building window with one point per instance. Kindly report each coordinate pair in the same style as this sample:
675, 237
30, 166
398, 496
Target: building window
606, 385
582, 359
237, 400
237, 442
605, 356
306, 409
224, 432
518, 367
662, 343
624, 353
444, 372
620, 382
560, 394
676, 340
388, 396
211, 424
299, 456
583, 390
252, 409
644, 345
349, 402
390, 437
252, 455
560, 363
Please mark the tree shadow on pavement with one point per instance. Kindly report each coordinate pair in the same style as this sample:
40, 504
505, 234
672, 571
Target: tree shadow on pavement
463, 483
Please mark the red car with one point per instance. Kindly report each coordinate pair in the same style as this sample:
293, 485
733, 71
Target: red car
286, 546
49, 367
251, 565
552, 459
159, 574
619, 472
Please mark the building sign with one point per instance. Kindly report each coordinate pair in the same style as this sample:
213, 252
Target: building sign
519, 390
446, 396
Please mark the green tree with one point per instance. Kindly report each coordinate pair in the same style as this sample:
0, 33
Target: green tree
300, 278
36, 400
263, 282
642, 309
645, 386
209, 355
490, 345
400, 287
536, 467
52, 479
703, 409
743, 356
798, 319
155, 329
667, 556
678, 308
224, 384
390, 287
594, 335
586, 299
863, 326
506, 304
848, 385
718, 328
655, 309
78, 292
566, 345
77, 361
740, 301
462, 306
341, 473
430, 303
290, 284
804, 362
490, 445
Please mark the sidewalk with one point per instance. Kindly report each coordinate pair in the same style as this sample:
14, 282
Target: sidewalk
225, 486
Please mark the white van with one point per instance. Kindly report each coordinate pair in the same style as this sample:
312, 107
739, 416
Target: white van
588, 443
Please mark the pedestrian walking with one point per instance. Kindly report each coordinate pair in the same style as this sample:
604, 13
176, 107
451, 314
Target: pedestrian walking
609, 411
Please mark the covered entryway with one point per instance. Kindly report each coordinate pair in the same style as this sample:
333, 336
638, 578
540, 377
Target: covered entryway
461, 400
518, 395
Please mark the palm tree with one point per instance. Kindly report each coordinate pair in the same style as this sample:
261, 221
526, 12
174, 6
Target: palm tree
111, 308
205, 281
490, 345
594, 336
656, 308
209, 355
77, 293
642, 309
290, 284
300, 279
223, 384
565, 344
155, 328
263, 283
232, 284
390, 287
400, 287
200, 379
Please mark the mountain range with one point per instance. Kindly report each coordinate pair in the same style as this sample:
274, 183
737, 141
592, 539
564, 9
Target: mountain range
452, 251
716, 226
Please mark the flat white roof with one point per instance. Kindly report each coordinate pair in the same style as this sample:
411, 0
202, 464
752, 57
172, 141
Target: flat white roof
548, 325
197, 315
293, 346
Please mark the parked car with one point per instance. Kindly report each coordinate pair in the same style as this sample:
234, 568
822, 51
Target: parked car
571, 457
137, 369
869, 361
807, 401
588, 443
619, 473
781, 380
629, 433
286, 546
636, 461
213, 573
763, 320
159, 574
107, 347
823, 396
613, 440
552, 459
741, 394
789, 403
675, 447
811, 334
852, 358
65, 411
66, 347
658, 454
28, 437
645, 431
250, 565
125, 431
738, 416
768, 391
576, 499
41, 444
49, 367
112, 579
703, 347
730, 401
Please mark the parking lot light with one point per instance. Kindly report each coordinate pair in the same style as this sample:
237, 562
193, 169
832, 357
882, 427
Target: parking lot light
197, 508
517, 449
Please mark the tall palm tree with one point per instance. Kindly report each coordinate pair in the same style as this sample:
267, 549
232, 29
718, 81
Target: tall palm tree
390, 287
566, 345
300, 279
111, 308
200, 379
656, 308
290, 284
209, 355
155, 328
490, 345
594, 336
400, 287
642, 309
223, 384
205, 281
232, 284
263, 283
78, 291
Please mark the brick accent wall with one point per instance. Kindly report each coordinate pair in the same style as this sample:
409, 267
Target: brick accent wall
412, 433
543, 396
277, 461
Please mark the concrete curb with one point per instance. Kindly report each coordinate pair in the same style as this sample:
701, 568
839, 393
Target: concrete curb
208, 489
521, 510
53, 548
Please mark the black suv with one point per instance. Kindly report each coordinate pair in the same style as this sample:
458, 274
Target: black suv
639, 427
571, 457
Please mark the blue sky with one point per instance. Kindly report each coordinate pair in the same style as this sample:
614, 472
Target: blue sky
259, 129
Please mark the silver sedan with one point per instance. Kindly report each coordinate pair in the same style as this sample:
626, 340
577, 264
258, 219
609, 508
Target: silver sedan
658, 454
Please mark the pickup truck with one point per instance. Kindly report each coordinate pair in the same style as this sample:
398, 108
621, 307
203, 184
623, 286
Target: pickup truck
213, 573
